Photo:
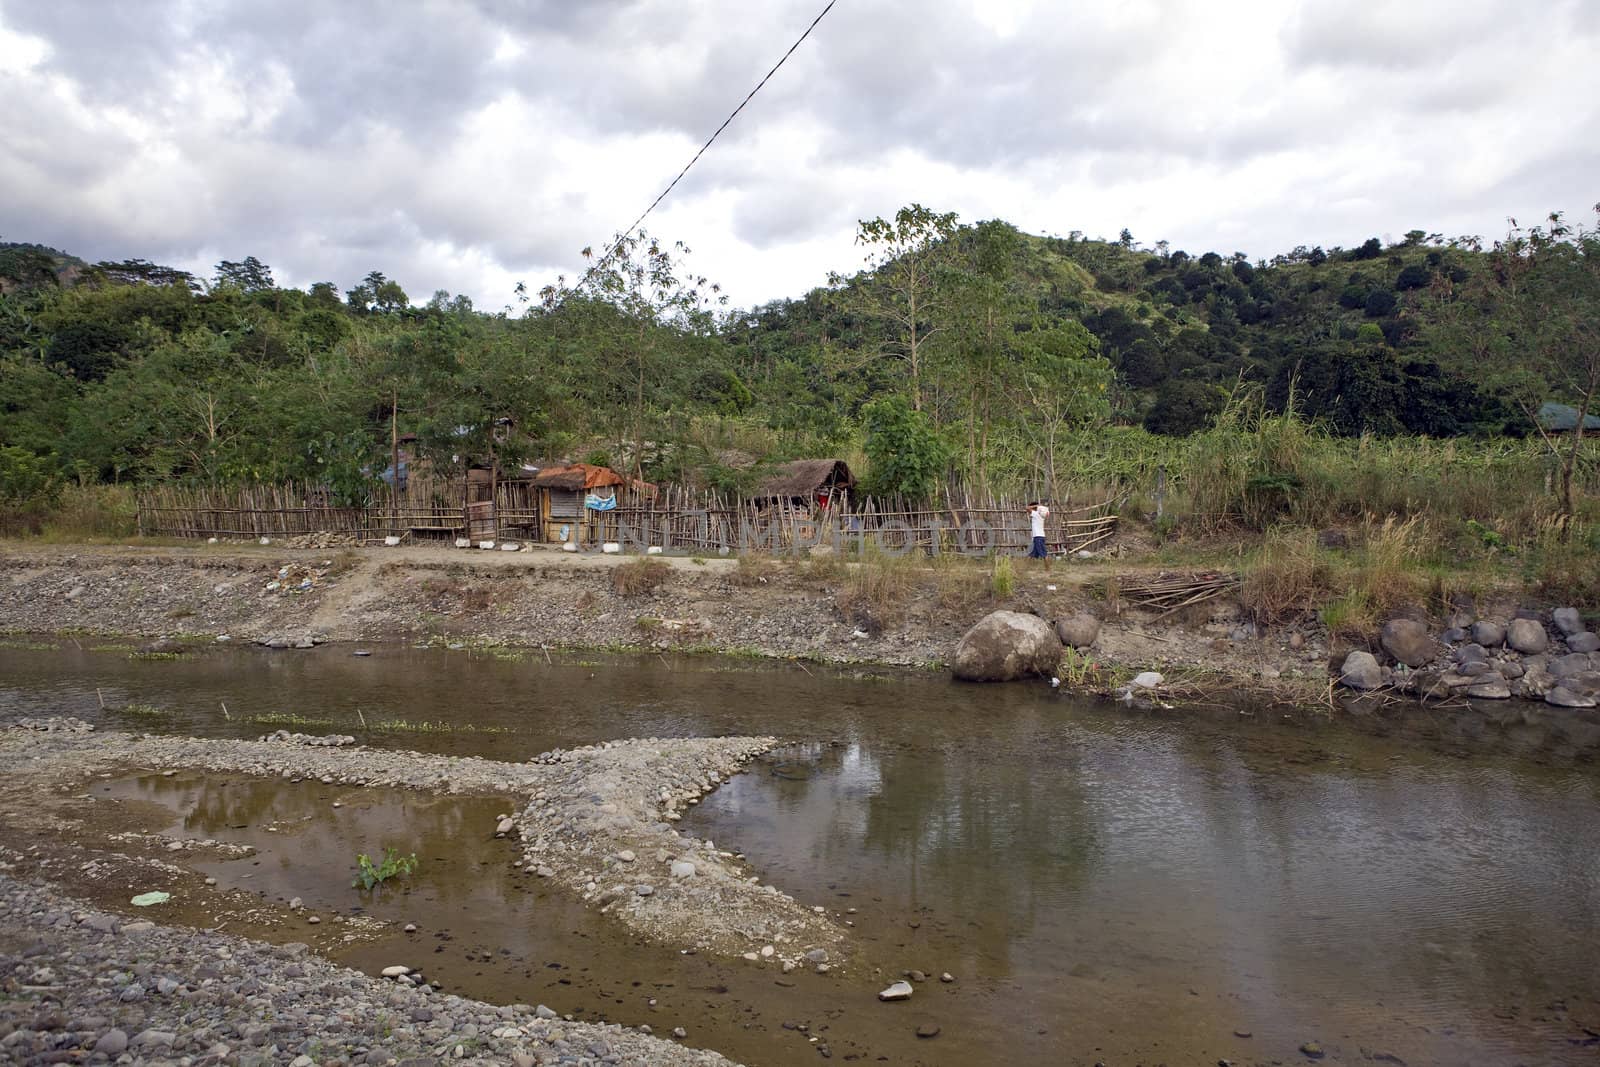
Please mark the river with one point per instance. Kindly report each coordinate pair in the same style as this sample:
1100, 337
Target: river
1103, 884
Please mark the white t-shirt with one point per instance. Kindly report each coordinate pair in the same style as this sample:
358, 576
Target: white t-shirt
1037, 518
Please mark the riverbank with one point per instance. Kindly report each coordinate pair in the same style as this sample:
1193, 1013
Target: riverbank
820, 610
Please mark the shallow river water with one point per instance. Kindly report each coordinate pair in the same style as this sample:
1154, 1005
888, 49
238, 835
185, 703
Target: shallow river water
1103, 884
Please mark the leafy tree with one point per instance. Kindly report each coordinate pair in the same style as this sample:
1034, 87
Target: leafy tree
250, 275
909, 256
906, 457
1183, 406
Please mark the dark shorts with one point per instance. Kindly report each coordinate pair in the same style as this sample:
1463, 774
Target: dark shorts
1037, 551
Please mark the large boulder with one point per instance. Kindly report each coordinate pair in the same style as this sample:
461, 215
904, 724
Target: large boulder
1361, 671
1584, 641
1488, 634
1005, 646
1567, 620
1408, 641
1078, 631
1527, 636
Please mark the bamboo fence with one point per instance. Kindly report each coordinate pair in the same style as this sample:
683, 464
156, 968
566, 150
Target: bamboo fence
674, 517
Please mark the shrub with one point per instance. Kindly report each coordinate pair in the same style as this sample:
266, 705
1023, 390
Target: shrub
638, 577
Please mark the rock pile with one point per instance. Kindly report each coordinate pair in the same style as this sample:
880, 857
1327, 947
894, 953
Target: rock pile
1525, 656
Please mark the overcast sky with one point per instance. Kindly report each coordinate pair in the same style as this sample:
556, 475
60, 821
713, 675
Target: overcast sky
466, 145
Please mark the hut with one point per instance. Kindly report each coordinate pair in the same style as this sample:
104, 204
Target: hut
809, 484
574, 499
1563, 418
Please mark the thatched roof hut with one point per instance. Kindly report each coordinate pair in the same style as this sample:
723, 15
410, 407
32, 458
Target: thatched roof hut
806, 479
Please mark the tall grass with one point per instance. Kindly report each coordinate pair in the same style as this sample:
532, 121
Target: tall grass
874, 594
79, 513
1352, 588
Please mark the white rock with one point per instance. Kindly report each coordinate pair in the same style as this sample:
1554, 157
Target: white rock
611, 548
1147, 680
683, 869
569, 547
898, 991
211, 540
653, 550
266, 540
509, 546
391, 541
626, 855
504, 826
396, 971
485, 544
462, 542
767, 952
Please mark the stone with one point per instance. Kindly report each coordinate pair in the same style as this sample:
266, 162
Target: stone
897, 991
1562, 697
504, 826
1408, 641
1527, 636
1474, 669
817, 955
626, 855
1470, 653
1584, 641
644, 890
1567, 620
544, 1013
1361, 671
947, 977
1312, 1051
683, 869
112, 1043
928, 1030
1453, 636
1078, 631
1488, 634
1495, 689
1147, 680
396, 971
1005, 646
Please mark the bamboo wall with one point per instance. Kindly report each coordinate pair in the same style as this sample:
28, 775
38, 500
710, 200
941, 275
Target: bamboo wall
674, 518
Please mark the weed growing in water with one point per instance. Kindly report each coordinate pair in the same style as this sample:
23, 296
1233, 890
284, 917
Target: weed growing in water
369, 874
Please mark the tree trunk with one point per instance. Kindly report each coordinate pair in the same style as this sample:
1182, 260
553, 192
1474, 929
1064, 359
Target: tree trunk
394, 459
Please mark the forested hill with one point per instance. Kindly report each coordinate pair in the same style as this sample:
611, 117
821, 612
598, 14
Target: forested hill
952, 347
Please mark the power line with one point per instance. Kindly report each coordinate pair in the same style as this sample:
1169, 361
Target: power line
725, 122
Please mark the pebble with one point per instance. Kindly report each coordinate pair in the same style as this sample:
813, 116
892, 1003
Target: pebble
928, 1030
897, 991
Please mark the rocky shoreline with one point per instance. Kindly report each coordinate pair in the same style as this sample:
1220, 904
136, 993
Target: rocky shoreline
1552, 658
78, 985
597, 820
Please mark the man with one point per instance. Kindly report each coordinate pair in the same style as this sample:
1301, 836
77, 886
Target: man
1037, 513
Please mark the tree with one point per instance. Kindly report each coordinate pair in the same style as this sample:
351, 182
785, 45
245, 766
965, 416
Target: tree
905, 455
250, 275
904, 284
377, 293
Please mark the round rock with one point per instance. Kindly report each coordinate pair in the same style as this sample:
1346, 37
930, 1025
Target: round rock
1408, 641
1527, 636
1488, 634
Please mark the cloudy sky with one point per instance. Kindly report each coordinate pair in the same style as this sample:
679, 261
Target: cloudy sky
467, 144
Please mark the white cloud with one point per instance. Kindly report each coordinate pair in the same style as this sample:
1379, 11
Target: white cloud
465, 148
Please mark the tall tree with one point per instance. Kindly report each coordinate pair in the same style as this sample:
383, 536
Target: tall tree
905, 283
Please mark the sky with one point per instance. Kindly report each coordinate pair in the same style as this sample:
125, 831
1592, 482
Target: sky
467, 145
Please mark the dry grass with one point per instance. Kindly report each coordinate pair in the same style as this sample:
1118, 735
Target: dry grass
755, 570
1292, 576
873, 596
640, 576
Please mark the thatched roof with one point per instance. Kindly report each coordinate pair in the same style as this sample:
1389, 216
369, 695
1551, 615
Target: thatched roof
802, 477
577, 476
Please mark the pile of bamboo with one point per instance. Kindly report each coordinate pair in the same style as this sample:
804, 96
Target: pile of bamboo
1170, 593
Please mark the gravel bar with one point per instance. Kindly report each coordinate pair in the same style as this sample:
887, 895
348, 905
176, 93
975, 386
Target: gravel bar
81, 986
598, 820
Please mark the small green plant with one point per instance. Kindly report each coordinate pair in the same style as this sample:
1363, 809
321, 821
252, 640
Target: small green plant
146, 711
369, 874
1076, 667
1003, 578
1489, 538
